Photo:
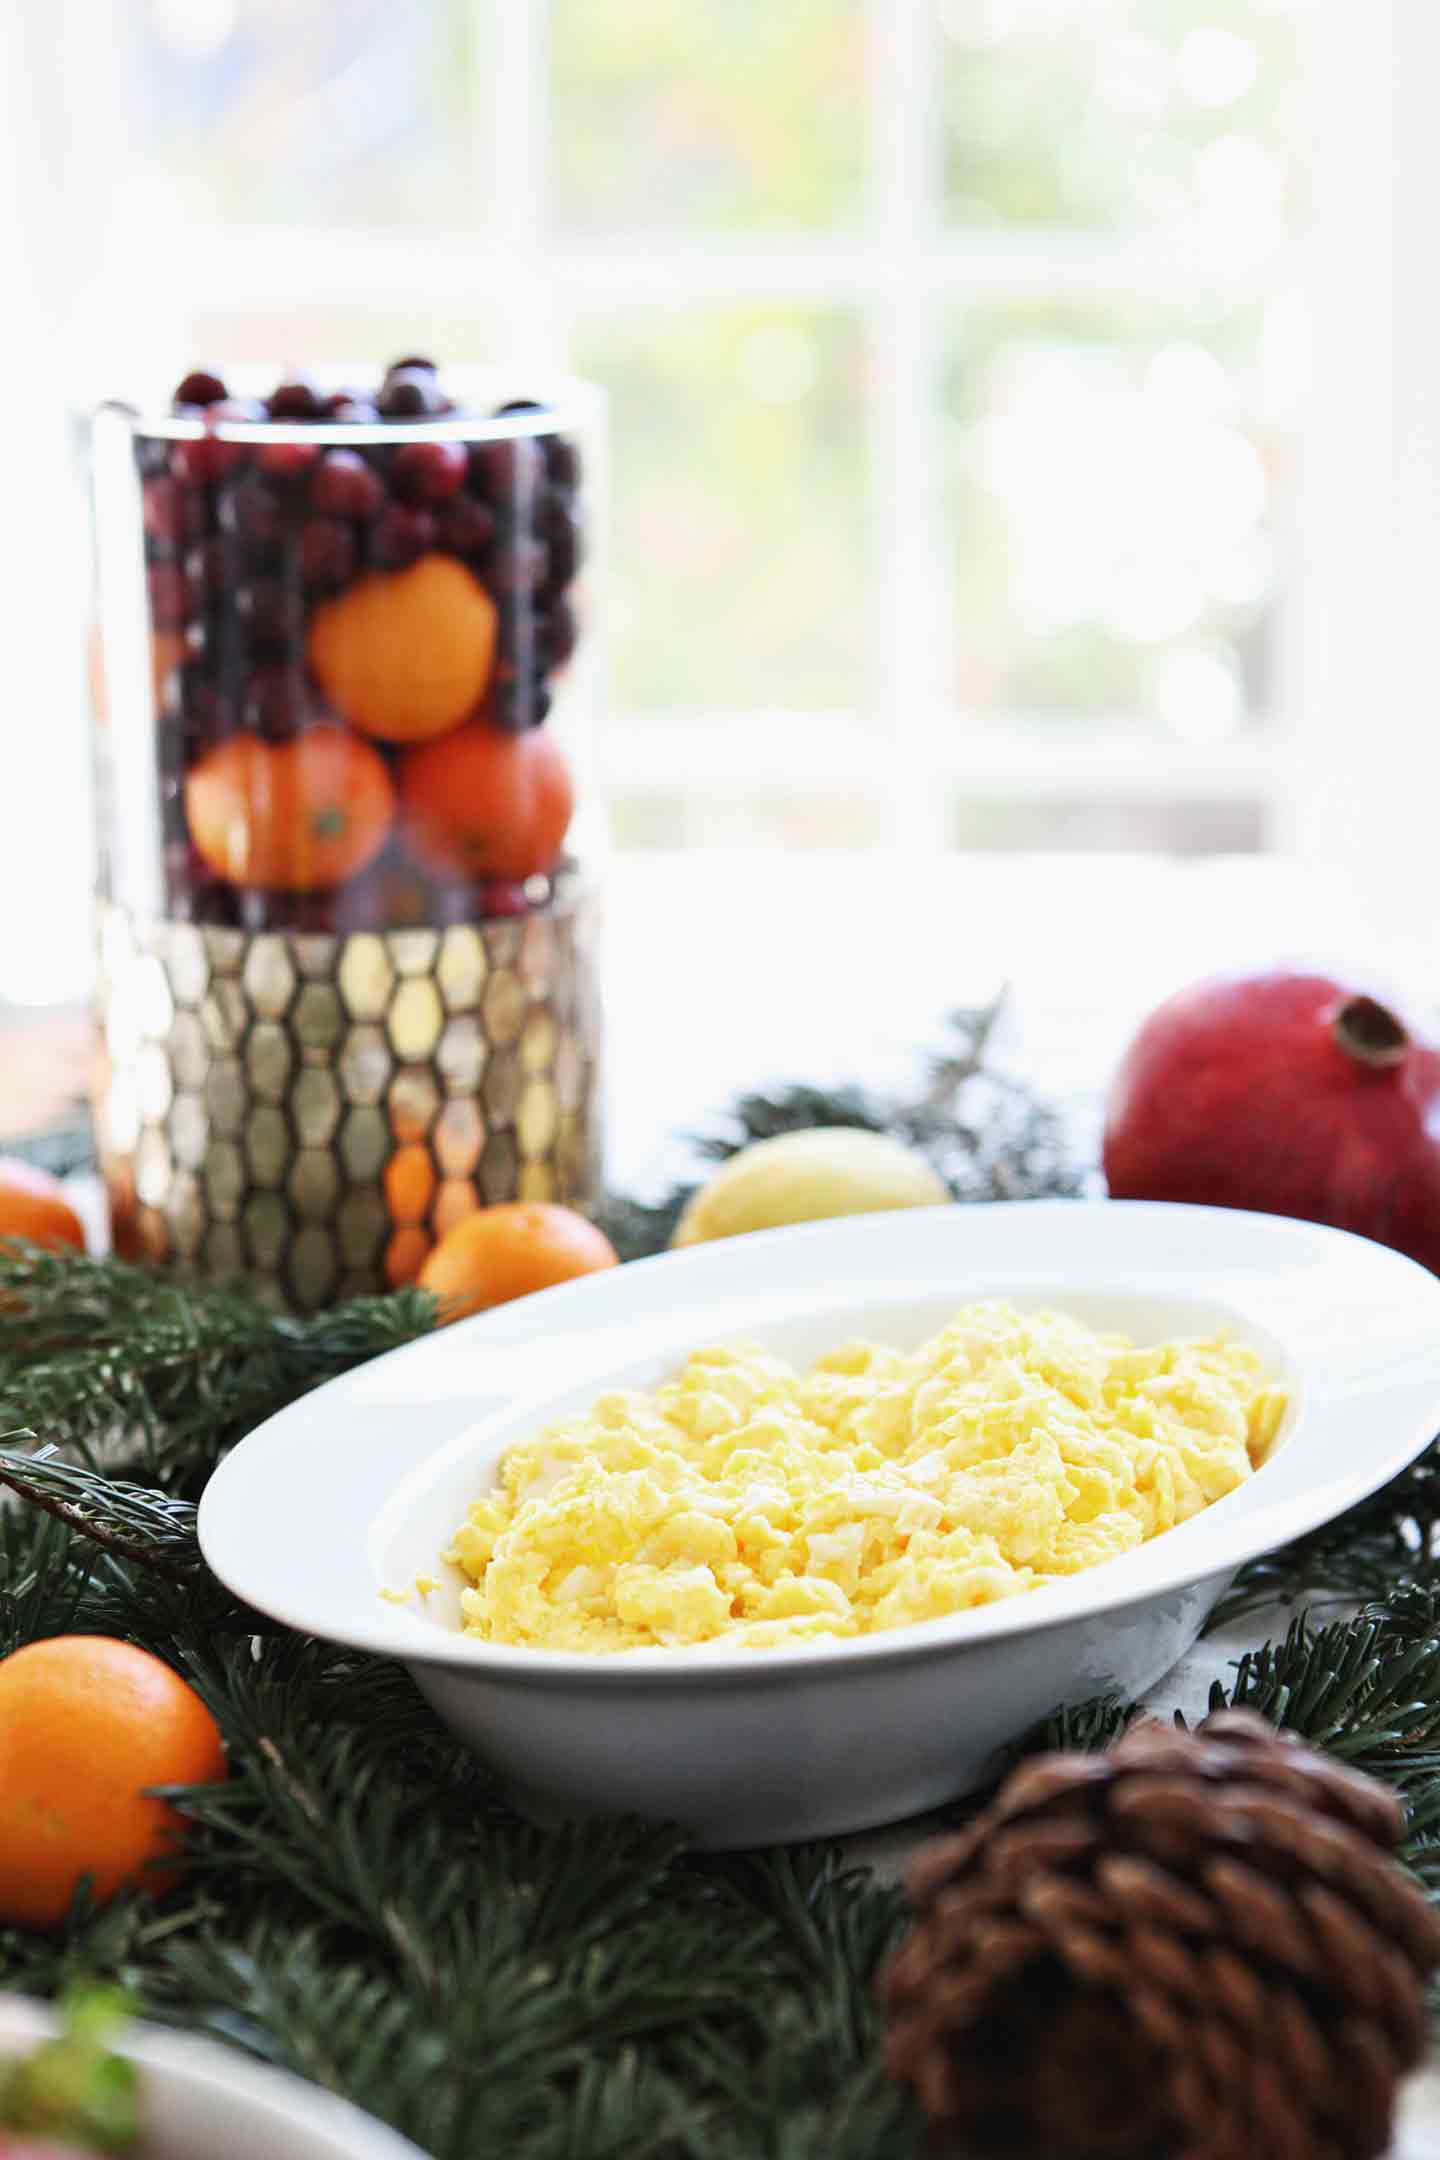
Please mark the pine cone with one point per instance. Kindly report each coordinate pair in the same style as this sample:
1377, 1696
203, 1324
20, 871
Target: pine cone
1194, 1947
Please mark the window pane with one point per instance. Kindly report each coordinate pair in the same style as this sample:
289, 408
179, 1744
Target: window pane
262, 109
1112, 474
1123, 112
353, 343
750, 113
737, 505
816, 817
1111, 826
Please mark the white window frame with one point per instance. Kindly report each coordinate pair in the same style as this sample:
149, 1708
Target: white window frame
1355, 690
902, 269
1362, 773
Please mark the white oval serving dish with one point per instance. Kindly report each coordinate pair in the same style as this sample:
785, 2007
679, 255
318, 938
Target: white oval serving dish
200, 2098
359, 1485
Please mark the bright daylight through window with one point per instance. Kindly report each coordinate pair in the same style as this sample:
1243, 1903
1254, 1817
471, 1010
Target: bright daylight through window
949, 429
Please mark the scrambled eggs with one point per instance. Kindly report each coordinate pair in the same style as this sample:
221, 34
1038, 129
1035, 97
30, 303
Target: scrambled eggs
744, 1503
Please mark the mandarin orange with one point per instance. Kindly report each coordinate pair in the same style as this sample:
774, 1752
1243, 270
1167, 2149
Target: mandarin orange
33, 1205
505, 1252
407, 655
293, 816
87, 1726
483, 804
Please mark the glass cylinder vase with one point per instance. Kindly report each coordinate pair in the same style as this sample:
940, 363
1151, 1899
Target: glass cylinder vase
345, 687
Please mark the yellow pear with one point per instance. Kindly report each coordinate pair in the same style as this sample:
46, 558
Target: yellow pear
807, 1177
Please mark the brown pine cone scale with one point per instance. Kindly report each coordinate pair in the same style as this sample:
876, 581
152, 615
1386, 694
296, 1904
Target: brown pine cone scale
1197, 1946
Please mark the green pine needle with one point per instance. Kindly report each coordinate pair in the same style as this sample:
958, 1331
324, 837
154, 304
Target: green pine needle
359, 1903
98, 1357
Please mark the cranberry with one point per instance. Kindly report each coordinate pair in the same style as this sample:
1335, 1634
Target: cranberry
211, 900
195, 507
172, 811
505, 470
275, 703
519, 404
555, 514
177, 877
313, 912
518, 565
412, 360
202, 710
207, 568
162, 510
208, 458
172, 742
295, 399
345, 486
562, 461
169, 595
252, 514
205, 459
562, 531
430, 471
412, 394
351, 411
201, 387
257, 910
501, 897
287, 461
518, 629
327, 554
519, 705
402, 536
557, 632
467, 526
271, 610
391, 894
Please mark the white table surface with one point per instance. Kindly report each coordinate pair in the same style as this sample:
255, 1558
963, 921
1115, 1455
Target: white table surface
724, 971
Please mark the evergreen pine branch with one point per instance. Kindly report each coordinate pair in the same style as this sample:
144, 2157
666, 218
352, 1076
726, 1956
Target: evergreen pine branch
97, 1356
1380, 1546
41, 1589
767, 1114
638, 1228
988, 1135
1365, 1689
135, 1521
359, 1903
1084, 1727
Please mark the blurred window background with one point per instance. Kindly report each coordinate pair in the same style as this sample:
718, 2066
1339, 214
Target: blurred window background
953, 350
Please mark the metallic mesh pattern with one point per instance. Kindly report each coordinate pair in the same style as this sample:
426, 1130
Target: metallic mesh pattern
312, 1112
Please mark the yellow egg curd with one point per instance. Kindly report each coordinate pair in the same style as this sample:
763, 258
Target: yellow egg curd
745, 1503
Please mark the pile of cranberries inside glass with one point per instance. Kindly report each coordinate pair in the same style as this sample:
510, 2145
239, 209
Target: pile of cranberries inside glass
354, 646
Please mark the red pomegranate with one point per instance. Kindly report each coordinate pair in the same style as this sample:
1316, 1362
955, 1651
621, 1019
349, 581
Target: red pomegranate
1288, 1093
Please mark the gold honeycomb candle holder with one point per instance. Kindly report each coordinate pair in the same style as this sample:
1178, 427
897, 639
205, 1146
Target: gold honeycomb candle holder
312, 1112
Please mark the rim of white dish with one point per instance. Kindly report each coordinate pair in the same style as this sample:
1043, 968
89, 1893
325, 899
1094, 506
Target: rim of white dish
299, 1463
212, 2075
